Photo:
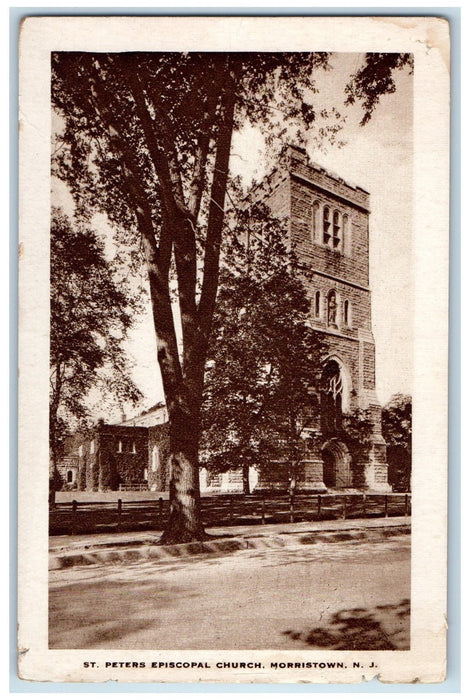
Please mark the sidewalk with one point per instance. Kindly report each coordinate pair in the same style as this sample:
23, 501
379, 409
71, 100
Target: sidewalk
80, 550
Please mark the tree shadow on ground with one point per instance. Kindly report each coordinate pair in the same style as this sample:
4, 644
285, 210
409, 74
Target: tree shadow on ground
383, 627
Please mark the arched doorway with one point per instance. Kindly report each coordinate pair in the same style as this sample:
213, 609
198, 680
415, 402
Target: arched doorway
336, 465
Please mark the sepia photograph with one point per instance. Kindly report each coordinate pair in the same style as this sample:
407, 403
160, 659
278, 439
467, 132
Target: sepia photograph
230, 316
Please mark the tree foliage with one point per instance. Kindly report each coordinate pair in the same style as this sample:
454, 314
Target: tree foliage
91, 314
396, 421
146, 139
263, 359
397, 432
358, 428
374, 79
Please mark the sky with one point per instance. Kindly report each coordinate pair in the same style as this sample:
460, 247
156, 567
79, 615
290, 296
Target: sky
379, 158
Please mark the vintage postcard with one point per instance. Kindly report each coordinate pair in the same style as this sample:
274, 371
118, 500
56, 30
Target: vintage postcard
233, 305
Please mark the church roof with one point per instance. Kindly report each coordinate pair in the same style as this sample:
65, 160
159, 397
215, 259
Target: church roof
154, 416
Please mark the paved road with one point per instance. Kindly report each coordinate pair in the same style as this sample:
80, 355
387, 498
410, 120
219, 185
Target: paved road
344, 595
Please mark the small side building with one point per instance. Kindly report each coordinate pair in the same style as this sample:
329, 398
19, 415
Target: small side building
134, 454
130, 454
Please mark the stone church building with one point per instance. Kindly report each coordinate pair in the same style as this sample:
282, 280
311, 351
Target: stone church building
328, 224
130, 454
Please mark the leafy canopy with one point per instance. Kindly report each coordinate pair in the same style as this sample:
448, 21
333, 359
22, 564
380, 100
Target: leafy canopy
374, 79
91, 314
263, 359
121, 112
396, 421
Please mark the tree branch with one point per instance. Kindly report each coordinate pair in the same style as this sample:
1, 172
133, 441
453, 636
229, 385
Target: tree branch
216, 209
157, 259
160, 142
179, 220
197, 184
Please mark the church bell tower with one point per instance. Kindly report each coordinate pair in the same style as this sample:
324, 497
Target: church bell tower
328, 222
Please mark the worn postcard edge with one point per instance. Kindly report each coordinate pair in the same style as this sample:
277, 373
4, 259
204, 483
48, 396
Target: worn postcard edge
428, 40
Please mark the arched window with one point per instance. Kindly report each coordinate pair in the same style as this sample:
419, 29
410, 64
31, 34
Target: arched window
346, 313
69, 476
346, 233
337, 230
326, 225
317, 304
331, 398
315, 230
119, 448
332, 308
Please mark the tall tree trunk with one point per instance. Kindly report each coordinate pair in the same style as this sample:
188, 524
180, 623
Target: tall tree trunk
182, 378
185, 521
246, 479
183, 392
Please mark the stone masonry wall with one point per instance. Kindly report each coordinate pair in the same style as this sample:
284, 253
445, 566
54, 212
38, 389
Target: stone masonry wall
326, 180
346, 271
123, 455
369, 366
279, 198
351, 264
359, 305
111, 456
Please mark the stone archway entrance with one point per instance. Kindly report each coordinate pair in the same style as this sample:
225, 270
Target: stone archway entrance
336, 465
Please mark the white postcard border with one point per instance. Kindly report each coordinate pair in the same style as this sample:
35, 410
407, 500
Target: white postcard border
427, 39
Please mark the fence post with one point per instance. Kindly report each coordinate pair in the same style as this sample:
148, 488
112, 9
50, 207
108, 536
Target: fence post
119, 510
291, 508
386, 506
345, 505
364, 505
263, 512
230, 510
160, 512
74, 517
406, 504
319, 506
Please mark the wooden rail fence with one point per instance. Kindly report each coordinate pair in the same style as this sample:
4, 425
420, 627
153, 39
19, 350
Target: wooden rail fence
94, 517
134, 486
